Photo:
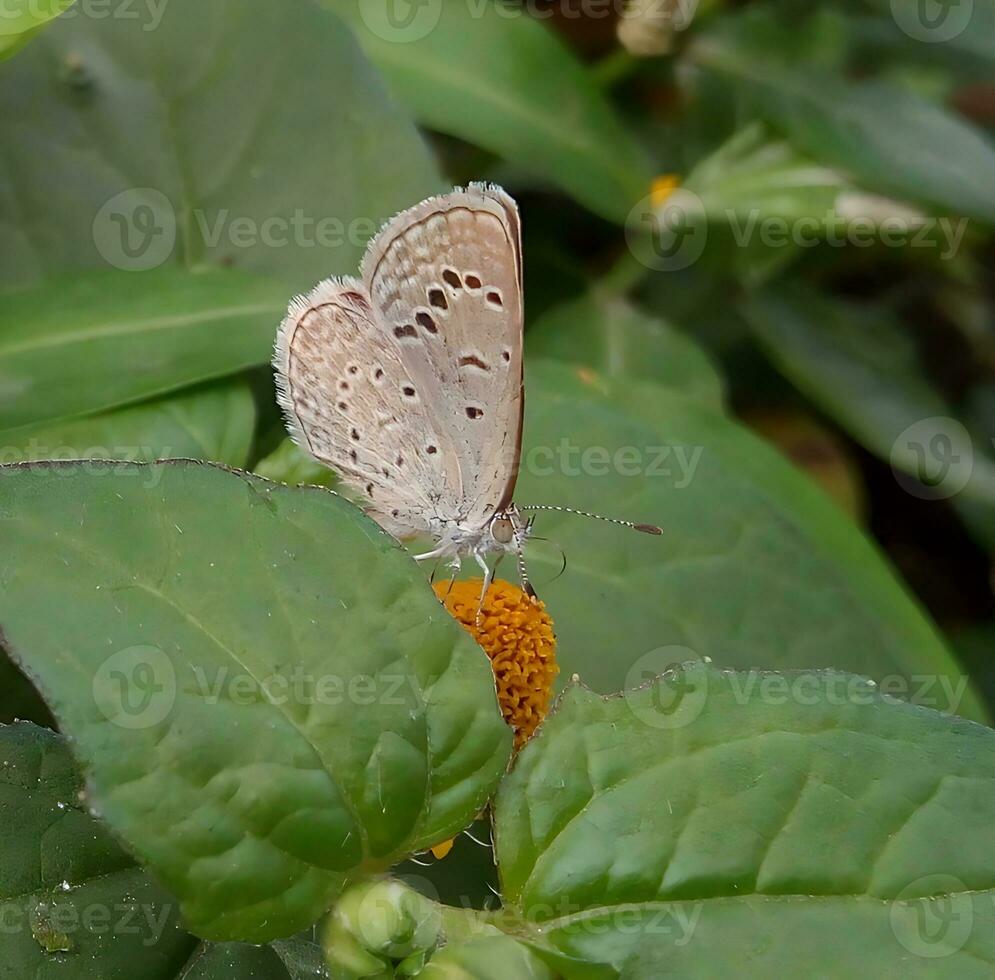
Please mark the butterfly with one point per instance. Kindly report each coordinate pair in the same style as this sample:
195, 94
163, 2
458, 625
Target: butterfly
408, 381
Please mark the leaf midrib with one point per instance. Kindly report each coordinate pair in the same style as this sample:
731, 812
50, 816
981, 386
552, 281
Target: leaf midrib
139, 327
153, 591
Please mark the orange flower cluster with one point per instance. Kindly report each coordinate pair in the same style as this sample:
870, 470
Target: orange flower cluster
516, 632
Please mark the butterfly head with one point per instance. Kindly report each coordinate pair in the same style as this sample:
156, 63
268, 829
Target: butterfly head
508, 529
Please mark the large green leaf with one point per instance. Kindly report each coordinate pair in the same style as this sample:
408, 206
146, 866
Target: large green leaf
265, 694
756, 567
23, 18
619, 340
859, 366
74, 904
887, 137
214, 423
240, 131
92, 342
238, 961
716, 823
490, 74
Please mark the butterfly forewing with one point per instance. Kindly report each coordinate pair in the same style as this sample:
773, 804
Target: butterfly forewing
446, 282
345, 393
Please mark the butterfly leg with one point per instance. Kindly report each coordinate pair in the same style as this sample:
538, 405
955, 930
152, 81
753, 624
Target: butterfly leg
435, 553
454, 564
488, 578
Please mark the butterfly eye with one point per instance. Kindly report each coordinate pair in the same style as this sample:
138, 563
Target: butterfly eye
502, 530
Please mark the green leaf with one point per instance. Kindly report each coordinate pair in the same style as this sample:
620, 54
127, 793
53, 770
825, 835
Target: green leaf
753, 174
74, 904
265, 694
288, 463
618, 340
486, 958
22, 19
213, 423
237, 961
473, 70
188, 135
689, 826
885, 136
285, 959
859, 366
756, 567
93, 342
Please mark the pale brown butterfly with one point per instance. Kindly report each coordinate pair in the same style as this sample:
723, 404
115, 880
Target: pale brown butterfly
408, 381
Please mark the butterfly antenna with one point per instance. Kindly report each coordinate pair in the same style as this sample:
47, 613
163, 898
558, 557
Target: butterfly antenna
563, 556
523, 574
645, 528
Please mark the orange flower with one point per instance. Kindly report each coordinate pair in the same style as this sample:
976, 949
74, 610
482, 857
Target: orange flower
516, 633
662, 187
